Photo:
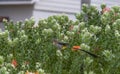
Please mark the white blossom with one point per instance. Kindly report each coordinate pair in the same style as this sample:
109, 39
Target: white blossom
84, 46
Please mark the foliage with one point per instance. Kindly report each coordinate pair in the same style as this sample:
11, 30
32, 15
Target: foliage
27, 47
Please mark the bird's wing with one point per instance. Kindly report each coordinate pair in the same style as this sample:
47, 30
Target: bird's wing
63, 43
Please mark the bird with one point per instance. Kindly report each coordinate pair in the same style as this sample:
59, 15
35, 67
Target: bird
75, 48
60, 45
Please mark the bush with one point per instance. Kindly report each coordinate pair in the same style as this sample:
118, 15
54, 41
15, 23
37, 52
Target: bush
26, 47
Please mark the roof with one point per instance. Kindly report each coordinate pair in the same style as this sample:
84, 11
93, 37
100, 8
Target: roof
17, 2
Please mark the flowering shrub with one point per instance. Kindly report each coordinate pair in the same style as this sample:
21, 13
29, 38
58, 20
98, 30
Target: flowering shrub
29, 49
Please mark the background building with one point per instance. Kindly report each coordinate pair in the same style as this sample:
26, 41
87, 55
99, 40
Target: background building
109, 3
45, 8
17, 10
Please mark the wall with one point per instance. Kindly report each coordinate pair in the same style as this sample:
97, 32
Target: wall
16, 12
45, 8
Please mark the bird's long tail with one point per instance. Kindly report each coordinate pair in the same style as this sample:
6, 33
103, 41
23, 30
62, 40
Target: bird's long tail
95, 56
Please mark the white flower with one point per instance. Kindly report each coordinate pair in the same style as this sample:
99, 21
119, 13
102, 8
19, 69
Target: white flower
15, 40
47, 31
82, 25
59, 53
24, 36
38, 64
104, 20
26, 20
50, 30
84, 46
56, 26
84, 30
7, 72
108, 54
95, 29
66, 38
107, 28
53, 21
76, 28
10, 56
116, 24
70, 33
22, 32
117, 34
86, 36
3, 70
21, 72
41, 71
5, 20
